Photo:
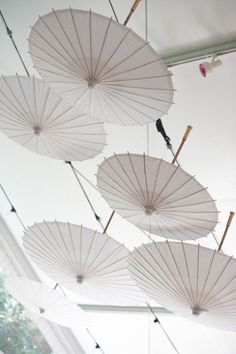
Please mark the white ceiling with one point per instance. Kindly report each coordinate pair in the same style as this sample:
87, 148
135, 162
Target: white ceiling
41, 188
173, 26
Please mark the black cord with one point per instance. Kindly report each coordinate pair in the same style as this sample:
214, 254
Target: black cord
113, 10
13, 209
85, 194
161, 130
9, 32
156, 320
97, 346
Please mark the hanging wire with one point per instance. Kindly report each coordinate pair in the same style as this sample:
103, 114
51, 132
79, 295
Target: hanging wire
146, 20
113, 10
216, 241
97, 346
9, 32
148, 235
156, 320
161, 130
57, 284
92, 185
146, 38
148, 138
214, 236
85, 194
85, 178
13, 209
149, 332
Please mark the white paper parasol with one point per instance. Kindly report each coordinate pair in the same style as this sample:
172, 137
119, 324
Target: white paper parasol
192, 281
83, 260
35, 117
46, 302
157, 196
101, 65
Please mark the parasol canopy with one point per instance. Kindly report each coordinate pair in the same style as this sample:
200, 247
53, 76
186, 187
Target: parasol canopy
102, 66
45, 302
157, 196
32, 115
193, 281
82, 260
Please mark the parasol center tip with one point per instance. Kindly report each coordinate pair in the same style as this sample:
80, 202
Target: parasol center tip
80, 279
196, 310
41, 310
149, 209
92, 82
37, 130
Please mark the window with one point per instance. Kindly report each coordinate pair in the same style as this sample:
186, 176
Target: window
18, 334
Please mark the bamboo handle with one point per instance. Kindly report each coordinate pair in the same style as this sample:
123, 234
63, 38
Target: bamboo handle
186, 134
231, 215
135, 5
108, 223
133, 8
230, 218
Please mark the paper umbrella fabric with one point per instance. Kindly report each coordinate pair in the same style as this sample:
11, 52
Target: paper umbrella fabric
192, 281
102, 66
32, 115
83, 260
157, 196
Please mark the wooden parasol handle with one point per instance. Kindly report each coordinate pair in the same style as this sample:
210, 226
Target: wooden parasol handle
185, 137
133, 8
108, 223
186, 134
135, 5
230, 218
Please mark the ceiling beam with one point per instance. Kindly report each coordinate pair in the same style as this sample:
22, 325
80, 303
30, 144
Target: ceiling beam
201, 53
111, 308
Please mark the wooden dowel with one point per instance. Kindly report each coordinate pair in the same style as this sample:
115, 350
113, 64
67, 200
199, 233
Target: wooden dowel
108, 223
185, 137
231, 215
133, 8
